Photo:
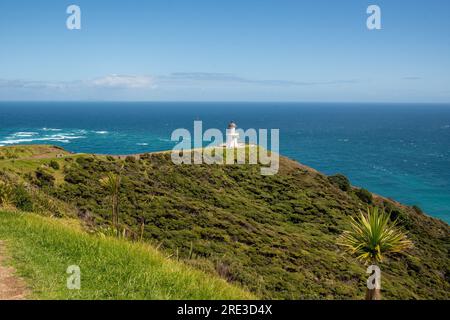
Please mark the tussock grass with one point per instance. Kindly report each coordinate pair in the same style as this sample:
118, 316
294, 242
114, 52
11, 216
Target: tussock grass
41, 249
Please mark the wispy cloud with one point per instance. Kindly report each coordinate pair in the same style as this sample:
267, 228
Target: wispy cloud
206, 77
412, 78
147, 85
123, 81
24, 84
148, 82
111, 81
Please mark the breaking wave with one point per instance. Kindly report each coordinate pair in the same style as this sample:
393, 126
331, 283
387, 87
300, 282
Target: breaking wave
42, 135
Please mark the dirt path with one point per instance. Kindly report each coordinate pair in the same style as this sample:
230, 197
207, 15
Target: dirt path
11, 286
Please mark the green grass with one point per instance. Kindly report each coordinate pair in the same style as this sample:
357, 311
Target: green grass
30, 151
41, 249
273, 235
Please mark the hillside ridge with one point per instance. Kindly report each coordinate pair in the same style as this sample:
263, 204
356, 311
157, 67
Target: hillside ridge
275, 235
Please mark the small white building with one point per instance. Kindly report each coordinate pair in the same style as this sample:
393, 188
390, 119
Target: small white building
232, 136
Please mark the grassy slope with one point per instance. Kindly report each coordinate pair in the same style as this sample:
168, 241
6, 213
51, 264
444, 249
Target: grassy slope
43, 248
31, 152
272, 234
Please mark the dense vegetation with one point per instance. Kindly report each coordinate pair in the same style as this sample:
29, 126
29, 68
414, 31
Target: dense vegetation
42, 250
275, 235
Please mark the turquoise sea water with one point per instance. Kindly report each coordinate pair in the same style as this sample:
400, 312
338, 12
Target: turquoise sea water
400, 151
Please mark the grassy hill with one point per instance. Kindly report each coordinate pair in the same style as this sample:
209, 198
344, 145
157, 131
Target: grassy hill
42, 249
274, 235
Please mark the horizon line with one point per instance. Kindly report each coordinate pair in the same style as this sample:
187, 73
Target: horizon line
226, 101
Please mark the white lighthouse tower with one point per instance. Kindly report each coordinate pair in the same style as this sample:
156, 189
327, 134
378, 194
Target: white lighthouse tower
232, 136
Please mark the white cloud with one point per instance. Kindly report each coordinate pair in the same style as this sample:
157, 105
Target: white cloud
123, 81
142, 82
193, 78
188, 85
110, 81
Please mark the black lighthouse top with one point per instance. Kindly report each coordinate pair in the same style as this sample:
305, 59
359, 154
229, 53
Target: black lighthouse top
231, 125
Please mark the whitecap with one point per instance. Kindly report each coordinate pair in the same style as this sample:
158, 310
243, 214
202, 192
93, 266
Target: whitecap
24, 134
16, 141
51, 129
63, 137
101, 132
142, 144
59, 138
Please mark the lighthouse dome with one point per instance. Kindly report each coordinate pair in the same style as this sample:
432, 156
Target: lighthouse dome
231, 125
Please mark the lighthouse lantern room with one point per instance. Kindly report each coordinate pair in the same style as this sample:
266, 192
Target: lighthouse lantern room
232, 136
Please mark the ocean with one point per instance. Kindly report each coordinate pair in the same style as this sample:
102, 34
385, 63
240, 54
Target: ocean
401, 151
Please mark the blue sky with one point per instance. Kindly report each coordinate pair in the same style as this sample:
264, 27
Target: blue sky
246, 50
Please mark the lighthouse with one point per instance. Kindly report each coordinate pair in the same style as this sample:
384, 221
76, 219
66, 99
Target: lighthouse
232, 136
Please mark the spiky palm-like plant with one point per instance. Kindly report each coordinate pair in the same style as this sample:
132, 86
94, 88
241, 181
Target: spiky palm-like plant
373, 236
112, 182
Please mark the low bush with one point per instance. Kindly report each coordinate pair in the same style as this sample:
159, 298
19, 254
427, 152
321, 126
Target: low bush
340, 181
54, 164
44, 178
22, 199
397, 214
364, 195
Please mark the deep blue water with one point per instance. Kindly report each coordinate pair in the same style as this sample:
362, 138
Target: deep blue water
400, 151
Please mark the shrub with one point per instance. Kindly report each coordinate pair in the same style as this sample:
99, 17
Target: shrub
10, 154
340, 181
6, 194
364, 195
55, 165
22, 199
130, 159
73, 176
85, 162
44, 178
397, 214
